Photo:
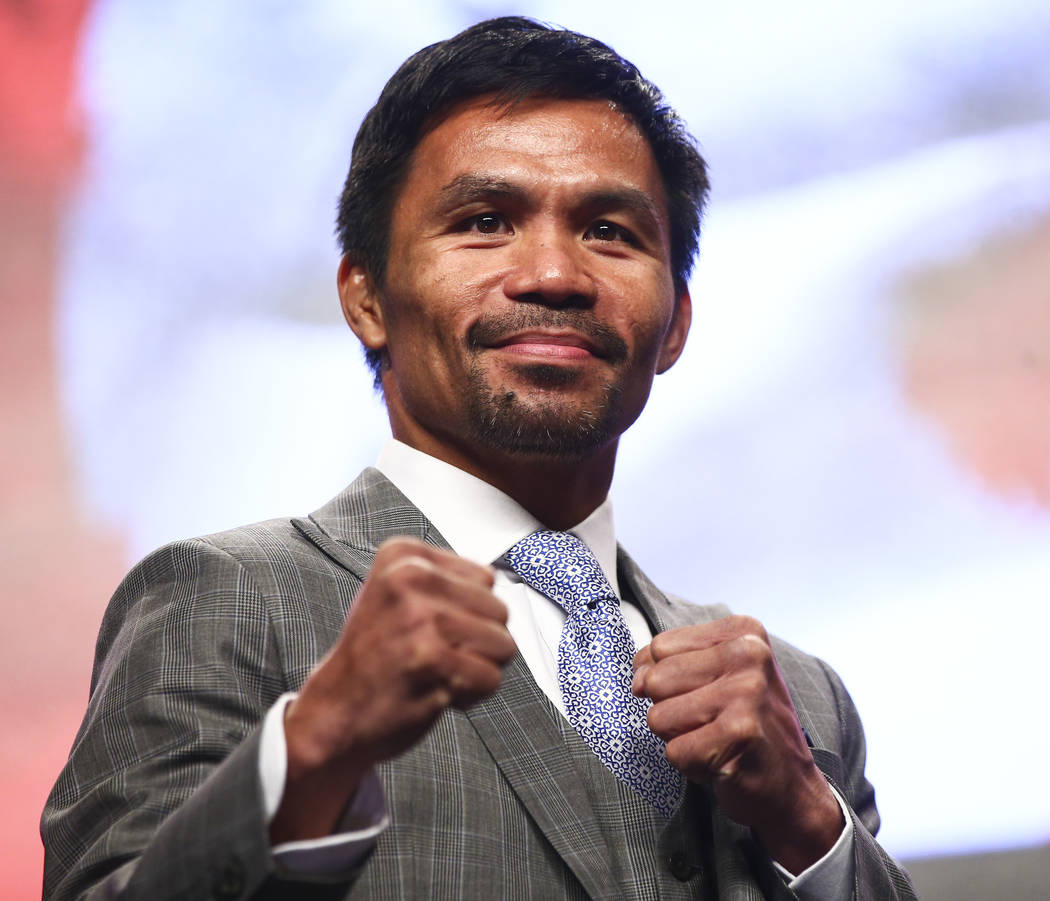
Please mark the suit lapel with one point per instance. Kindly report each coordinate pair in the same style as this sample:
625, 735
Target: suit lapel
662, 613
518, 727
352, 525
517, 724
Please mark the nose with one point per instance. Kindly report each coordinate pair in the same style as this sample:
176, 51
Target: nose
550, 270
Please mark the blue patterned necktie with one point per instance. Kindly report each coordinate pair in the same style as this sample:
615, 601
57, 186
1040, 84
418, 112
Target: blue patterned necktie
594, 664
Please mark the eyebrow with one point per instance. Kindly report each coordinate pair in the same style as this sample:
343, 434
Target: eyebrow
464, 189
624, 198
468, 188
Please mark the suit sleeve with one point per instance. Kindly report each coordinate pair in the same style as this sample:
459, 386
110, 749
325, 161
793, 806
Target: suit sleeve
161, 796
878, 877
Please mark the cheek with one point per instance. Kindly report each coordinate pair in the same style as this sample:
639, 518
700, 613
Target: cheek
648, 330
426, 337
411, 313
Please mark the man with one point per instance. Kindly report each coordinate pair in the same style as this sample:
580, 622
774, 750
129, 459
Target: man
429, 688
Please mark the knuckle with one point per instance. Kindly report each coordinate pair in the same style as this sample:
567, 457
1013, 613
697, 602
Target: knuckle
667, 681
752, 685
424, 654
676, 754
411, 574
426, 648
414, 614
660, 646
740, 728
753, 650
655, 682
440, 698
428, 657
753, 627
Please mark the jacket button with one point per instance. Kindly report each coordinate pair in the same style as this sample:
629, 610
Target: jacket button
230, 883
680, 867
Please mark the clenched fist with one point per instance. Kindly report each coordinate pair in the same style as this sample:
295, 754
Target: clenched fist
425, 633
720, 703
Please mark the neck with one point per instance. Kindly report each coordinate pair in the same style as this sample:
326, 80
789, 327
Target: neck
559, 492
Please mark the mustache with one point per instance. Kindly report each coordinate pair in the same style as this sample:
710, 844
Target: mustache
490, 330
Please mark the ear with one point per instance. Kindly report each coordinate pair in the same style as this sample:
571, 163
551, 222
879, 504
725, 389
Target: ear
360, 302
674, 340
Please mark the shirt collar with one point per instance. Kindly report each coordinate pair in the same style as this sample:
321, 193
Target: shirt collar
478, 520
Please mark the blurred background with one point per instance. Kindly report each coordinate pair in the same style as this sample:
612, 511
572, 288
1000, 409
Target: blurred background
855, 447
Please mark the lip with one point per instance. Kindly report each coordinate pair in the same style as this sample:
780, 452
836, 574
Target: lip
549, 344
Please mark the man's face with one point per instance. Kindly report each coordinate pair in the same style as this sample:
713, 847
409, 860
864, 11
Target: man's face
528, 298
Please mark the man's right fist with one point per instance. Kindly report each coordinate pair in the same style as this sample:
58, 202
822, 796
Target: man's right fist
425, 633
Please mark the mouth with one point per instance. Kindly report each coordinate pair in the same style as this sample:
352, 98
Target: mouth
549, 336
550, 345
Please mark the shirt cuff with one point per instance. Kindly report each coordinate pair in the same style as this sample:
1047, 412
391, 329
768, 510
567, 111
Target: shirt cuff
362, 822
831, 877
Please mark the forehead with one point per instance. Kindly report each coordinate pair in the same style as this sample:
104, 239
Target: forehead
547, 143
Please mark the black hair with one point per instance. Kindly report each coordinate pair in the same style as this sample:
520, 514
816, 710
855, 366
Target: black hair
512, 58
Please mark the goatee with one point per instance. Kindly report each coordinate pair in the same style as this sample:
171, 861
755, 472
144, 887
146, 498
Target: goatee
546, 427
544, 423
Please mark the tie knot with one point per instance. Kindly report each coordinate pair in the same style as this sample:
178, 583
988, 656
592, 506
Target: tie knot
562, 567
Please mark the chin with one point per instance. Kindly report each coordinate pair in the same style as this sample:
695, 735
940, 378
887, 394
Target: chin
554, 427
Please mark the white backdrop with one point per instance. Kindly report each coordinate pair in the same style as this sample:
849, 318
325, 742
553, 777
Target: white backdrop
783, 467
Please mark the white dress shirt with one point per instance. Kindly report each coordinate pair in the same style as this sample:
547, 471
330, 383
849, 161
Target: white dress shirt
480, 523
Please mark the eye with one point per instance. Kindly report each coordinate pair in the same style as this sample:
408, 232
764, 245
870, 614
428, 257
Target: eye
603, 230
487, 224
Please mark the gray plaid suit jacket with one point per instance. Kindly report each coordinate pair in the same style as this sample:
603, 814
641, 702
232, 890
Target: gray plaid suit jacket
161, 798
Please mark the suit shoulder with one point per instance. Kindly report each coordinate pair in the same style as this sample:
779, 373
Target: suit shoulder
250, 573
187, 581
267, 538
251, 555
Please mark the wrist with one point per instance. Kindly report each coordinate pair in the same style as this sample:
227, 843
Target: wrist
803, 836
321, 779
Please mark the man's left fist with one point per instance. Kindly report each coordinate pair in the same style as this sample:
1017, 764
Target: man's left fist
721, 705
